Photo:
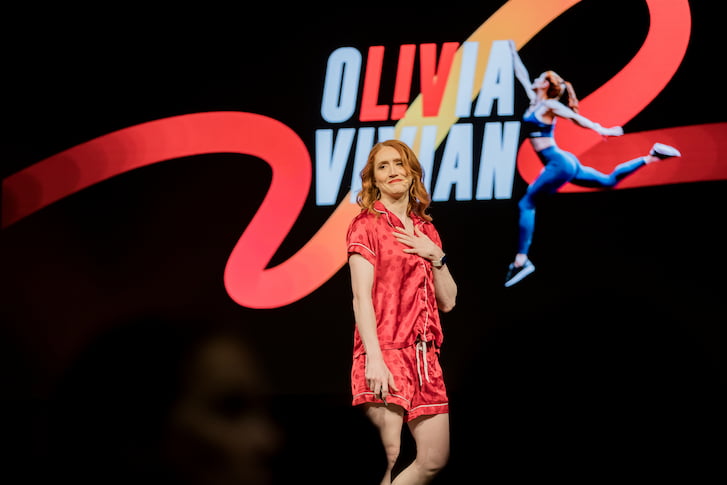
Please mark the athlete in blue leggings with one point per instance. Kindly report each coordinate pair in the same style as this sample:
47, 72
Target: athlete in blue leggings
560, 166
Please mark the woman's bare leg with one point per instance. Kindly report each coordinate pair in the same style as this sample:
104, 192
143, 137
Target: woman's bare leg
431, 435
389, 421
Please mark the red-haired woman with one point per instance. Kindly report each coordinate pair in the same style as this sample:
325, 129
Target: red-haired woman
400, 281
560, 166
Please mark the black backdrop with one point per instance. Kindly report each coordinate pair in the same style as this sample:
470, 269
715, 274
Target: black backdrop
611, 357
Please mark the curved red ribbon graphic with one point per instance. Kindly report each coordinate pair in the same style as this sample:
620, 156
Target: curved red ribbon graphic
109, 155
246, 279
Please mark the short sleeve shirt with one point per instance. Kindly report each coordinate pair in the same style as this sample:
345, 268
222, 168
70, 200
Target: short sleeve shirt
403, 295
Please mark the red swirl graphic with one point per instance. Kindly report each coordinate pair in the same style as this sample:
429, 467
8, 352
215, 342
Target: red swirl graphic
247, 280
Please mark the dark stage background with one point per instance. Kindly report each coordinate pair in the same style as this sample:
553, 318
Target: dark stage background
608, 361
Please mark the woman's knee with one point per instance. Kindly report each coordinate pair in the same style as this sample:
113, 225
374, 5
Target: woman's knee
433, 457
392, 451
526, 203
432, 463
437, 459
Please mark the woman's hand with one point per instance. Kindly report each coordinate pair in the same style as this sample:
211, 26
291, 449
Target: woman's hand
613, 131
379, 378
445, 289
419, 243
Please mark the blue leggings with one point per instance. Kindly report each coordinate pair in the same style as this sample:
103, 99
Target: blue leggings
559, 168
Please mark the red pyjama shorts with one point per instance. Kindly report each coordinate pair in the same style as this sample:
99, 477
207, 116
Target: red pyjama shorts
417, 375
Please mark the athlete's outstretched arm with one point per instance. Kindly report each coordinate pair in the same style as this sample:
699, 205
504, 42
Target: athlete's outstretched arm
559, 109
521, 72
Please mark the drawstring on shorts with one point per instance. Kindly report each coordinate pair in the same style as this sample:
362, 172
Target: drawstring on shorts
421, 346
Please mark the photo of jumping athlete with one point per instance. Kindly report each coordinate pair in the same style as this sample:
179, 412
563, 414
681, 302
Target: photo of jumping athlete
560, 166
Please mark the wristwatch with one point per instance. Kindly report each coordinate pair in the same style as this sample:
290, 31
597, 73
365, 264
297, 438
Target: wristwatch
440, 262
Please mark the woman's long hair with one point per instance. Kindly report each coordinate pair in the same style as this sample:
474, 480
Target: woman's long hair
418, 197
559, 86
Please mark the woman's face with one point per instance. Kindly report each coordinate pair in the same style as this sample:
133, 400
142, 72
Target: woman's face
390, 175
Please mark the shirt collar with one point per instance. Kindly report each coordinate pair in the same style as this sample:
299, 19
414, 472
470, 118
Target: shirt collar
381, 208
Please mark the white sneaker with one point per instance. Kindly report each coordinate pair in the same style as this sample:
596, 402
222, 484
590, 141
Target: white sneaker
662, 151
517, 273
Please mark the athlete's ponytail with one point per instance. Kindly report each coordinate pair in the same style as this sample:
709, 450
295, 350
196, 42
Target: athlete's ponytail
572, 99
